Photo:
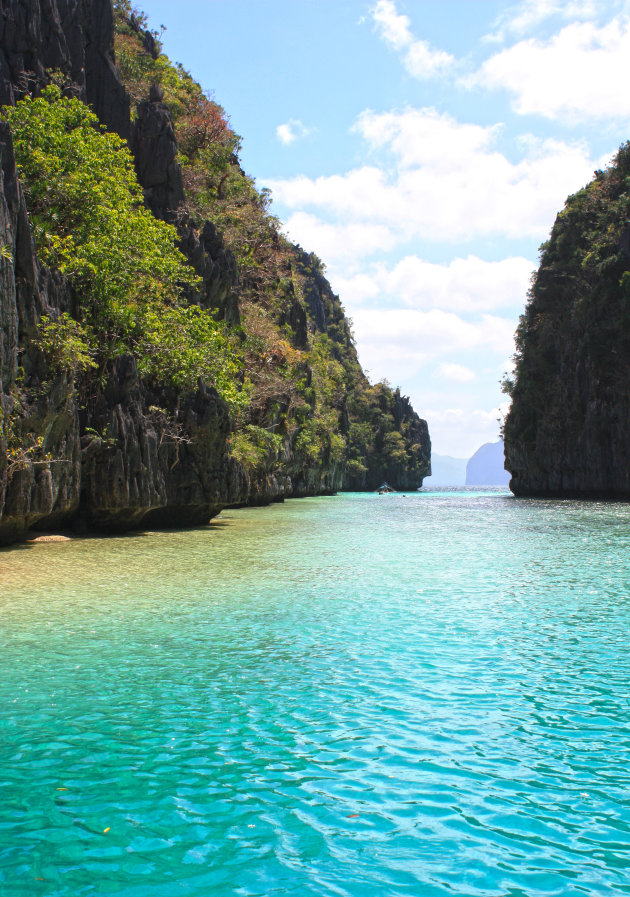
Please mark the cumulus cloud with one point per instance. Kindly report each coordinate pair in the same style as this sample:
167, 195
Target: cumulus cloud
457, 373
338, 243
419, 58
398, 343
464, 285
449, 181
418, 335
424, 136
444, 361
573, 76
291, 131
392, 27
460, 431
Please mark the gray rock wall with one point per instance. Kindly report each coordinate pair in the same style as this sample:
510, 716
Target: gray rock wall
140, 467
155, 150
70, 36
572, 441
568, 431
114, 463
35, 404
123, 454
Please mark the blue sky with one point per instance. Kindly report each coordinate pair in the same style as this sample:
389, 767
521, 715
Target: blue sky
422, 150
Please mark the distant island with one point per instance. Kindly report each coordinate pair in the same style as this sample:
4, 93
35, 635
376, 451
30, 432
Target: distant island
446, 471
484, 468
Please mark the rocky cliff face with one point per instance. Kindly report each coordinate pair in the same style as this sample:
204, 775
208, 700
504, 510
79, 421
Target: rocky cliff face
568, 431
41, 419
115, 463
140, 467
127, 453
73, 37
403, 470
155, 150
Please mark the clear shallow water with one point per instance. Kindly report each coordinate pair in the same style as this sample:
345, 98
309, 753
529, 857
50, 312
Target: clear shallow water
358, 695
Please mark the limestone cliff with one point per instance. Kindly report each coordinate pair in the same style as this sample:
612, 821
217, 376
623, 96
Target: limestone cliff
126, 451
48, 414
568, 431
113, 463
73, 37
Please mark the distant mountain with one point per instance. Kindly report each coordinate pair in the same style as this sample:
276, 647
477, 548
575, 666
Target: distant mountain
446, 471
485, 468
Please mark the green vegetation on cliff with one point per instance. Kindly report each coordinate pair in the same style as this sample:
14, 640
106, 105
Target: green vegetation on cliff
303, 377
89, 221
567, 427
279, 351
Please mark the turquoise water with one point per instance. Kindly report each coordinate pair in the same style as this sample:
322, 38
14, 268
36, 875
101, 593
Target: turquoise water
357, 695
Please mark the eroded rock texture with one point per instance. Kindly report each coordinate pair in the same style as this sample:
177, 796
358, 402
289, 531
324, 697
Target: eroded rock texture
568, 432
129, 457
33, 489
155, 149
125, 454
73, 37
144, 467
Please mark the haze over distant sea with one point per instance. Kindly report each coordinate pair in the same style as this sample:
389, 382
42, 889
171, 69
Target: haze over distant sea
484, 468
360, 695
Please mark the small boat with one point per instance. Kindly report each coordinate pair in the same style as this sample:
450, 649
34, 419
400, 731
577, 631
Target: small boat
384, 489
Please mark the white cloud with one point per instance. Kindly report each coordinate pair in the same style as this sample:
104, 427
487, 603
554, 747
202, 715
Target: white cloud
460, 431
418, 335
291, 131
578, 74
522, 18
497, 335
419, 58
424, 136
465, 284
392, 27
398, 343
449, 181
457, 373
355, 289
338, 243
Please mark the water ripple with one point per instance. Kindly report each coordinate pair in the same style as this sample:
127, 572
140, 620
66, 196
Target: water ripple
351, 696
